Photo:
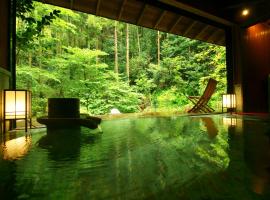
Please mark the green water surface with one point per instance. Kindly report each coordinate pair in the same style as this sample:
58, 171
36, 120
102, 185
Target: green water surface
184, 157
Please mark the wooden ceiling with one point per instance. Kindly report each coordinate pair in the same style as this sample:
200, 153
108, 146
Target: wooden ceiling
231, 9
202, 22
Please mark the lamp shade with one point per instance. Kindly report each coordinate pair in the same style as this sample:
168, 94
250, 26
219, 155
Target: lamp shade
17, 104
228, 101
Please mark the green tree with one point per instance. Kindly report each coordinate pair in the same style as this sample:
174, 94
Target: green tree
63, 53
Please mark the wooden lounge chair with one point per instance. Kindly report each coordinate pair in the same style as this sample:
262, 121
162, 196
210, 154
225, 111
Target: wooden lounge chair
200, 102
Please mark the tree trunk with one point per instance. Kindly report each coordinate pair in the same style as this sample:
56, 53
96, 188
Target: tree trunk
30, 59
115, 49
158, 52
138, 42
97, 48
189, 52
40, 66
60, 47
127, 52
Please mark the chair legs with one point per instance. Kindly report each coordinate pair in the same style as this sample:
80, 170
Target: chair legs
200, 102
199, 106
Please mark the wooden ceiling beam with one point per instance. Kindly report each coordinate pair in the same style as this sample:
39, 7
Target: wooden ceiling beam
218, 41
221, 41
71, 4
175, 24
200, 34
190, 27
141, 14
158, 7
121, 10
98, 7
212, 35
160, 18
197, 12
218, 36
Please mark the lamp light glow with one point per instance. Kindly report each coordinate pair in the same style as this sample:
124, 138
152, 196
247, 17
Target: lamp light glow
228, 101
17, 105
245, 12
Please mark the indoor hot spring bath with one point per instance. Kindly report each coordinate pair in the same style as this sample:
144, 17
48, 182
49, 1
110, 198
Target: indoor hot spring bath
207, 157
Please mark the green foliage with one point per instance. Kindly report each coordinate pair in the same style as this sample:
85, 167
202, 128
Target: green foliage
62, 53
171, 99
30, 26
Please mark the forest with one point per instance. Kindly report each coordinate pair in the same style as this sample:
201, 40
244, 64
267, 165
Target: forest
110, 64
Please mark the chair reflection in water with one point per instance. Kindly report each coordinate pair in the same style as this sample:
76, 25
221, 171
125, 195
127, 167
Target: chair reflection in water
210, 125
200, 102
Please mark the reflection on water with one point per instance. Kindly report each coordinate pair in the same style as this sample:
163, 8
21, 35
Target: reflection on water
257, 154
62, 143
211, 127
65, 144
229, 121
144, 158
16, 148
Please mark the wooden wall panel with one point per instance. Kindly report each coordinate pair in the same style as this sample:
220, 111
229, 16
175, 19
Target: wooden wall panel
4, 48
256, 67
